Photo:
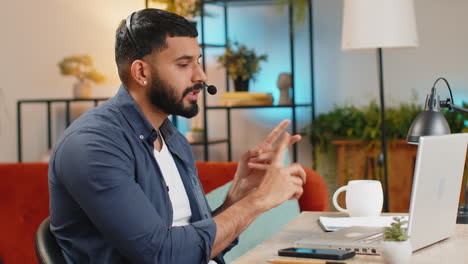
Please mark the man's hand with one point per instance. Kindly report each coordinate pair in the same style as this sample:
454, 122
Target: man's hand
277, 185
253, 164
280, 183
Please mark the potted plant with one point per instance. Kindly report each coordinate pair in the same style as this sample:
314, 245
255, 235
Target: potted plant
185, 8
81, 66
363, 124
242, 65
396, 247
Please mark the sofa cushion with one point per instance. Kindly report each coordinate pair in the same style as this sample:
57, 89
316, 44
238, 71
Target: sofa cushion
24, 204
215, 174
24, 201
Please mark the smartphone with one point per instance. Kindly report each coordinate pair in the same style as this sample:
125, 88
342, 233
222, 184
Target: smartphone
335, 254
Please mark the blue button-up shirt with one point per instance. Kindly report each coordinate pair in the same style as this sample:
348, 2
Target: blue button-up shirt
109, 202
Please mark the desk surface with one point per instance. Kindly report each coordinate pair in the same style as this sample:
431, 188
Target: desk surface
452, 250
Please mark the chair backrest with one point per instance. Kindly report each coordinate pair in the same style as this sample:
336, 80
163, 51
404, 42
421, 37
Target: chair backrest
47, 249
213, 175
315, 196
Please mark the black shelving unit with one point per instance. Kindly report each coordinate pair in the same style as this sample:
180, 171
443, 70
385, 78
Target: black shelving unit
48, 103
67, 101
225, 4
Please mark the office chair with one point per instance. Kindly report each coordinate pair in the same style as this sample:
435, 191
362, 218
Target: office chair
47, 249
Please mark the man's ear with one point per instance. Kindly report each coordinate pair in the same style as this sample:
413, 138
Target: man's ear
140, 72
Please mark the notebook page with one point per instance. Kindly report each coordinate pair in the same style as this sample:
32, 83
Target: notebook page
336, 223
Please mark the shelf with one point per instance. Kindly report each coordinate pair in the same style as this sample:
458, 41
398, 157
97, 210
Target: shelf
257, 106
64, 100
242, 2
210, 142
206, 45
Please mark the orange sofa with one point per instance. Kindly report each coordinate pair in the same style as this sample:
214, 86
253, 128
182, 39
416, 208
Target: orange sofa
24, 202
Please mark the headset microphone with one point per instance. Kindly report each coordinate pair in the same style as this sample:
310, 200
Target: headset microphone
211, 89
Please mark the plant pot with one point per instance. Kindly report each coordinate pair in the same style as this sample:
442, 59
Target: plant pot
396, 252
241, 85
82, 90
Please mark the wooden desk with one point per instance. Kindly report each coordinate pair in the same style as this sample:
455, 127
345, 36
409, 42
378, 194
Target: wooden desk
452, 250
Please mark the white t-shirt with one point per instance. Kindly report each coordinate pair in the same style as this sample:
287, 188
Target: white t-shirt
177, 193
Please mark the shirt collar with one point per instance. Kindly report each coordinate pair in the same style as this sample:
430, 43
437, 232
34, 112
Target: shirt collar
137, 120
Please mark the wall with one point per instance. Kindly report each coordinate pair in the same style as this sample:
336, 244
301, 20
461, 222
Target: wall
40, 33
36, 36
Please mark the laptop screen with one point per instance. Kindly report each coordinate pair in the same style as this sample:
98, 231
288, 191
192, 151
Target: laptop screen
436, 188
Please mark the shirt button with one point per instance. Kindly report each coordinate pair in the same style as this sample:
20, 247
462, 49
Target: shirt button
142, 137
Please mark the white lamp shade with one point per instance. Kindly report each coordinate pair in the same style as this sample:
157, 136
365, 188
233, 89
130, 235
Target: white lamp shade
369, 24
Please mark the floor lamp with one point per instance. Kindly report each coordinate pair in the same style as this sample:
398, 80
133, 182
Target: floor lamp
379, 24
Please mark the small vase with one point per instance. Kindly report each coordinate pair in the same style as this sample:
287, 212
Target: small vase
241, 85
396, 252
284, 98
284, 85
82, 90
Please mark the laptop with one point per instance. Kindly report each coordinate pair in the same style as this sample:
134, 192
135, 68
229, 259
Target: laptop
435, 194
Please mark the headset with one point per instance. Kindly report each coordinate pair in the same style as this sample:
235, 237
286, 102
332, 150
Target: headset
140, 52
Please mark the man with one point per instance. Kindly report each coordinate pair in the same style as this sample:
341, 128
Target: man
122, 179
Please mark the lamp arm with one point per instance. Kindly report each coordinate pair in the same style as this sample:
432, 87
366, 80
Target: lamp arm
448, 103
448, 86
460, 109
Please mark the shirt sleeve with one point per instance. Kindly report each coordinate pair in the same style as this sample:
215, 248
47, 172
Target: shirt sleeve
96, 167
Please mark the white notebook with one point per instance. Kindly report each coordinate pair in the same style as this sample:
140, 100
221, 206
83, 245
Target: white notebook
336, 223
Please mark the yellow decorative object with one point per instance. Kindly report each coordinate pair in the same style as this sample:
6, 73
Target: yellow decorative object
246, 99
82, 67
241, 62
185, 8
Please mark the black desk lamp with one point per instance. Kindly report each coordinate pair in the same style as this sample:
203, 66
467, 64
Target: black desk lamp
432, 122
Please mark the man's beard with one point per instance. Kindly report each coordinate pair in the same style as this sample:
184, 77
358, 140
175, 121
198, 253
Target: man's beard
163, 96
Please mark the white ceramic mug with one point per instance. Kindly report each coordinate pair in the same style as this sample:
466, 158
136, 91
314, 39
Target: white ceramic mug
363, 198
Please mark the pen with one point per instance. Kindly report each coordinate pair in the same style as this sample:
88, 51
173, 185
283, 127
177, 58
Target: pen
300, 261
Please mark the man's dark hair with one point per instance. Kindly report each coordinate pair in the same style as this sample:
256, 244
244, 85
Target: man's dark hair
150, 28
